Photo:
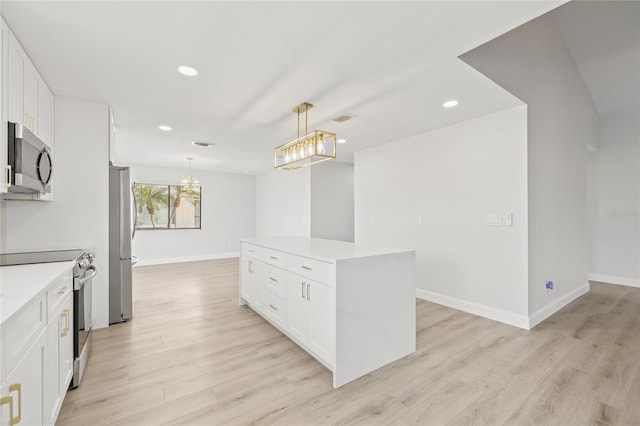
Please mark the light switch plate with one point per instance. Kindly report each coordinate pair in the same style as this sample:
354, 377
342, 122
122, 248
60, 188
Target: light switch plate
492, 220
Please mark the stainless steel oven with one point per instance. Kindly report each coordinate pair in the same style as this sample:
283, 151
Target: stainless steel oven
83, 275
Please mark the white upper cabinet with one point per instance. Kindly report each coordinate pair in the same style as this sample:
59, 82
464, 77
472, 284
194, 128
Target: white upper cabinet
26, 99
4, 52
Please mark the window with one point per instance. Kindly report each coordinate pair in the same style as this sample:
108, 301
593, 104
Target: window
167, 206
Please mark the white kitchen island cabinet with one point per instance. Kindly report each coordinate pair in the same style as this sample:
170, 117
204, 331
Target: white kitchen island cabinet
351, 306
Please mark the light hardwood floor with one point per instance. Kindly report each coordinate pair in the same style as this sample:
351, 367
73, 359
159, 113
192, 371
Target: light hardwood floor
192, 356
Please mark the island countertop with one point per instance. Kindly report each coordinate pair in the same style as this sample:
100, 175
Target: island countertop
21, 283
327, 250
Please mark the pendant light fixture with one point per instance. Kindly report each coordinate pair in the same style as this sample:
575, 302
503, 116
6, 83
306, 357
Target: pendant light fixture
309, 148
189, 183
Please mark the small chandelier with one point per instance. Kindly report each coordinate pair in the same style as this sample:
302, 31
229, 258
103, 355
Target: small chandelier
189, 183
309, 148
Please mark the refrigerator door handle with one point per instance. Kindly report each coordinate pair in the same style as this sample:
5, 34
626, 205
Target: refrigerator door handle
135, 211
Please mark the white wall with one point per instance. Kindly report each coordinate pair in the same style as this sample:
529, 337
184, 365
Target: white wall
283, 203
332, 201
78, 217
228, 214
452, 178
534, 63
614, 189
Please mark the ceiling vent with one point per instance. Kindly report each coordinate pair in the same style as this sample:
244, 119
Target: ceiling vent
206, 144
344, 117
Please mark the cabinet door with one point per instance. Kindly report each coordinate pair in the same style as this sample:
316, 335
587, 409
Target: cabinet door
321, 328
245, 277
15, 82
297, 312
51, 390
256, 285
65, 348
24, 387
30, 97
45, 114
4, 54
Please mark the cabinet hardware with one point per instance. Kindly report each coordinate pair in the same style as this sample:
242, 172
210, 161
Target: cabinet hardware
308, 291
64, 328
308, 268
273, 257
250, 268
273, 279
15, 387
303, 283
273, 307
67, 316
63, 290
29, 117
8, 399
10, 168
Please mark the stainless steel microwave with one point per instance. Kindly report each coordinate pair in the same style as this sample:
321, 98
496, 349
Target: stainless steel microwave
30, 162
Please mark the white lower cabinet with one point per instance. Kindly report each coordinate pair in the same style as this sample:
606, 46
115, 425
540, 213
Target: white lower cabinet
309, 315
59, 360
37, 361
21, 392
253, 290
351, 306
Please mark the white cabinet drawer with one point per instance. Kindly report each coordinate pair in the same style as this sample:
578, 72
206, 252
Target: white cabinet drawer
251, 250
275, 258
276, 310
57, 291
20, 331
311, 268
275, 281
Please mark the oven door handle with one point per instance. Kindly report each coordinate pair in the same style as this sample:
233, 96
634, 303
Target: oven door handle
90, 272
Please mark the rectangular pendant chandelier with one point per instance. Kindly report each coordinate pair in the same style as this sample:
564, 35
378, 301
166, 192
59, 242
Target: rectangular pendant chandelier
309, 148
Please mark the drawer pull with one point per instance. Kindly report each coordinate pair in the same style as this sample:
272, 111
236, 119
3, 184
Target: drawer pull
303, 283
63, 290
10, 169
273, 257
273, 307
273, 279
308, 268
250, 266
9, 400
67, 316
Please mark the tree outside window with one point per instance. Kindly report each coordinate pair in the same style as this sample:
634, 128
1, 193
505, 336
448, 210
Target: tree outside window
167, 206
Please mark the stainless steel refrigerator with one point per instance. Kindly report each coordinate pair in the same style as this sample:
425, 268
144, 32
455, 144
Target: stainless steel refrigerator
120, 237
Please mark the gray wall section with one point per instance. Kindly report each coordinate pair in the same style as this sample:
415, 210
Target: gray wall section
534, 63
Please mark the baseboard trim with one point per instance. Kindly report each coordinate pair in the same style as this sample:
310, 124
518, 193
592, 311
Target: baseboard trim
553, 307
612, 279
213, 256
520, 321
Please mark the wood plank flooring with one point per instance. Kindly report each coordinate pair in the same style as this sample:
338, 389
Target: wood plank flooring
192, 356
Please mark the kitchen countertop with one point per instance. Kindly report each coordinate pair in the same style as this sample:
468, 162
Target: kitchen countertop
327, 250
19, 284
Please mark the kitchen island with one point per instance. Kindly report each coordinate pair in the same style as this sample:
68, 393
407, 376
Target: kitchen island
351, 306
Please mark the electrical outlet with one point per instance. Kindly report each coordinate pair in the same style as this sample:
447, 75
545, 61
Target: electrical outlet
418, 220
548, 285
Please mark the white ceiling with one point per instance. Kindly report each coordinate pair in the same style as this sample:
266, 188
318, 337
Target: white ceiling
391, 64
604, 40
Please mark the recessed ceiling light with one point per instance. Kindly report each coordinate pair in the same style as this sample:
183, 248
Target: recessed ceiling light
342, 141
165, 128
188, 71
200, 143
450, 104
